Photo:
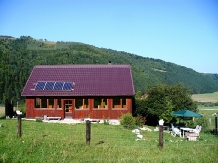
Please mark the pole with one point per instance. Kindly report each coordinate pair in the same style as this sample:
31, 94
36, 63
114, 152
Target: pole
161, 143
88, 132
161, 136
19, 126
216, 126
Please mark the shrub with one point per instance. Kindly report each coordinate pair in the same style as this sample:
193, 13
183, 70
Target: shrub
39, 119
203, 122
191, 124
128, 121
106, 121
22, 108
140, 120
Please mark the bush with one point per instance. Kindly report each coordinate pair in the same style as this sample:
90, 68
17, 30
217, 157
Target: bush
191, 124
203, 122
106, 121
128, 121
140, 120
22, 108
208, 104
39, 119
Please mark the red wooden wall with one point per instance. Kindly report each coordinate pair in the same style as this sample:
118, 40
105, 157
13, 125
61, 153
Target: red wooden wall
110, 113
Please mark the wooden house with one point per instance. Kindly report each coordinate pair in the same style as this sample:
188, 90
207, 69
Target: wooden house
79, 91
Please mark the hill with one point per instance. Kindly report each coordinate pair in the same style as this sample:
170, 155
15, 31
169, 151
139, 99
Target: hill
19, 55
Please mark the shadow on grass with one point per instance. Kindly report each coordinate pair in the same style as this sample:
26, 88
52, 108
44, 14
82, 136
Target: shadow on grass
214, 132
2, 117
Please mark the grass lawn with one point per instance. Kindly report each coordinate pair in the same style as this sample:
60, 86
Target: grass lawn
49, 142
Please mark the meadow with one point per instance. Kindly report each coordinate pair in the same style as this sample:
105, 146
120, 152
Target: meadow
207, 97
51, 142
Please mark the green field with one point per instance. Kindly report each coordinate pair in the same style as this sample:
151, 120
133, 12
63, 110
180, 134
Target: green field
49, 142
207, 97
2, 111
208, 110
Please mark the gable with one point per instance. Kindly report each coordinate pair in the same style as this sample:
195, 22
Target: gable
88, 80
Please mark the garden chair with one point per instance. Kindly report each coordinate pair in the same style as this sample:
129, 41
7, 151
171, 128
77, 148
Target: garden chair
175, 131
194, 134
197, 130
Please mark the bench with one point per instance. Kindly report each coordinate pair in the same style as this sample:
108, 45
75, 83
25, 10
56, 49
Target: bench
95, 120
53, 118
91, 120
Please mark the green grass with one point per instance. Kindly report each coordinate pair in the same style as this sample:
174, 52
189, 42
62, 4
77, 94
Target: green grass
48, 142
207, 97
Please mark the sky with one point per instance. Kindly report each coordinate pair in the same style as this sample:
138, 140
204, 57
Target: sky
184, 32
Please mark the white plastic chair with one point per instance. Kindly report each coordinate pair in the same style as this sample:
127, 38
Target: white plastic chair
197, 130
175, 131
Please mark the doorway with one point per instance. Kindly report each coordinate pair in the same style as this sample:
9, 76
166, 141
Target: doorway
68, 109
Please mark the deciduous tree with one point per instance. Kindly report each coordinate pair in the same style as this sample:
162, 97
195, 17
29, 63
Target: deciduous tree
163, 99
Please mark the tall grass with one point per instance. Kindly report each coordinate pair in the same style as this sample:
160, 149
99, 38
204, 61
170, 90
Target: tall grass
48, 142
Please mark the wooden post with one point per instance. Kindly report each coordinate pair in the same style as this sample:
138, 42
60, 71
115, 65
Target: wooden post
161, 136
19, 126
161, 122
216, 126
88, 132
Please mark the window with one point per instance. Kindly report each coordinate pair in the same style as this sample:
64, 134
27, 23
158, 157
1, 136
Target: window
100, 103
81, 103
37, 103
44, 102
50, 103
59, 104
119, 102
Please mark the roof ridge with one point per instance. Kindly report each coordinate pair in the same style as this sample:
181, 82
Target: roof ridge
82, 66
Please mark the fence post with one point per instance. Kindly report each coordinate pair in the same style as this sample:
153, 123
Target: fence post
19, 126
88, 132
161, 122
216, 126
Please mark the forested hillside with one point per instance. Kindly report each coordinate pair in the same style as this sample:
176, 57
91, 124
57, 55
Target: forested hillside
19, 55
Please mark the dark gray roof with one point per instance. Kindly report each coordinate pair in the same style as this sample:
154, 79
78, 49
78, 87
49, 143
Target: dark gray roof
89, 80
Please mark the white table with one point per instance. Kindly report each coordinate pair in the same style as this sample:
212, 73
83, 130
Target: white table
185, 129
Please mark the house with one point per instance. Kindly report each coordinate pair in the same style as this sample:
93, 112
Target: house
79, 91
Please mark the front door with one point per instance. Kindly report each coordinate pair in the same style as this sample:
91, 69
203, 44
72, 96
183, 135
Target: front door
68, 108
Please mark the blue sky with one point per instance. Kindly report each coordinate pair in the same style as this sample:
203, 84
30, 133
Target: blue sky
184, 32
